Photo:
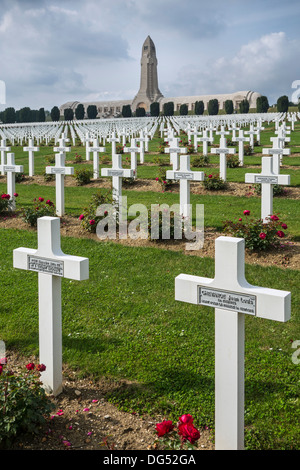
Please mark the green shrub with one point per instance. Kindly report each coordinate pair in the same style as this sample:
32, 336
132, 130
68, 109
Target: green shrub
83, 176
213, 182
49, 177
278, 190
19, 177
89, 218
258, 236
50, 159
4, 202
77, 158
248, 150
39, 208
232, 161
24, 405
200, 161
161, 178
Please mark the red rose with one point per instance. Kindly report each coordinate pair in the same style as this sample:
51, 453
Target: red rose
284, 226
185, 419
210, 176
41, 199
81, 217
280, 234
274, 217
188, 432
164, 427
41, 367
262, 235
246, 212
30, 366
92, 222
1, 369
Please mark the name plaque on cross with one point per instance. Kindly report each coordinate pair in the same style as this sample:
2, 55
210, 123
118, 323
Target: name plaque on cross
266, 179
115, 173
183, 176
227, 300
44, 265
56, 171
9, 168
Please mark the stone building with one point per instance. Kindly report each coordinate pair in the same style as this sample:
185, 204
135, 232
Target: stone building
149, 92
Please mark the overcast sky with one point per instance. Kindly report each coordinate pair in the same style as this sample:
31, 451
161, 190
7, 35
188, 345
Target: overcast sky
54, 51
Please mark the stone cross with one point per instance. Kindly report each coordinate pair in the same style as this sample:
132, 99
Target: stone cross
113, 139
223, 150
31, 149
185, 175
60, 170
96, 150
11, 169
117, 172
241, 139
133, 149
141, 139
232, 297
52, 265
3, 149
277, 152
175, 150
251, 133
267, 178
87, 146
222, 132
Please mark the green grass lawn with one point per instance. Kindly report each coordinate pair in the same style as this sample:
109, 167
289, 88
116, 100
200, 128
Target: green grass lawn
124, 324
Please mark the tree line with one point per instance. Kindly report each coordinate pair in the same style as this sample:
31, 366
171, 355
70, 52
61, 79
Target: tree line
10, 115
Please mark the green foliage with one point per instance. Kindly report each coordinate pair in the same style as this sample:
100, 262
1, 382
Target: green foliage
79, 112
213, 182
140, 112
25, 114
258, 236
228, 106
244, 106
282, 104
199, 108
262, 104
154, 109
41, 115
126, 111
89, 217
92, 111
168, 108
183, 110
83, 176
248, 150
9, 115
232, 161
55, 113
213, 107
4, 202
24, 405
162, 180
200, 160
39, 208
68, 114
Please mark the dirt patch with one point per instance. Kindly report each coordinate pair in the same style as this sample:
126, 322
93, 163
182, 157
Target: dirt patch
286, 256
83, 419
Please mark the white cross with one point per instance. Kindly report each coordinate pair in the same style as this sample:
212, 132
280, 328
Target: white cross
205, 139
175, 150
11, 169
117, 172
232, 297
60, 170
267, 178
113, 139
96, 149
51, 264
185, 176
133, 149
251, 133
223, 151
31, 149
87, 146
3, 149
62, 148
222, 132
241, 139
277, 152
141, 139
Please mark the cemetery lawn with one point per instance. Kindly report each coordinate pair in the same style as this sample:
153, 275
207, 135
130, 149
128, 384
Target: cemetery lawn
153, 356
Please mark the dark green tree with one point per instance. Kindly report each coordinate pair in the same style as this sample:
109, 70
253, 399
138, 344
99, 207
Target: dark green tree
213, 107
262, 104
25, 114
140, 112
154, 109
282, 104
79, 112
169, 108
68, 114
55, 113
41, 115
228, 106
9, 116
92, 111
126, 110
244, 106
199, 108
183, 110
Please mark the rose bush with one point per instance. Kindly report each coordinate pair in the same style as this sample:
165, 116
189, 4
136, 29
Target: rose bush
182, 436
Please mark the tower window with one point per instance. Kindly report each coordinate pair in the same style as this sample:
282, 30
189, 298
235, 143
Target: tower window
145, 48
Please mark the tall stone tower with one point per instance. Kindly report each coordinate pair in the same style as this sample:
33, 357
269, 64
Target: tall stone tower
149, 91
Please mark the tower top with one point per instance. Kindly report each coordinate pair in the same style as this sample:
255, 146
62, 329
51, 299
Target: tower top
149, 91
